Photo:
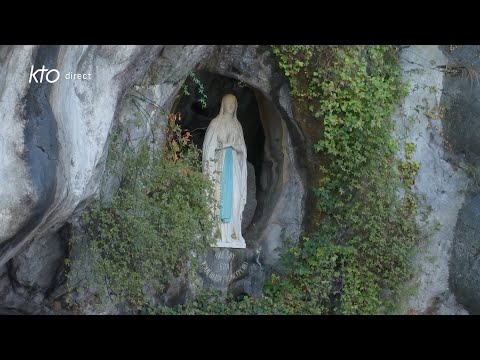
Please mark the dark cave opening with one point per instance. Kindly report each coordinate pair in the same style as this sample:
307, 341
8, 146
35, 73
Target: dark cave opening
195, 118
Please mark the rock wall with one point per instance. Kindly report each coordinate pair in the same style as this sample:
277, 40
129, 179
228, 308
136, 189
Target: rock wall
462, 131
54, 136
54, 140
465, 263
54, 144
441, 116
17, 195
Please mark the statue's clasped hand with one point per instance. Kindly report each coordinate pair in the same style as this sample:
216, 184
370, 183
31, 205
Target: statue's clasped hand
231, 143
234, 147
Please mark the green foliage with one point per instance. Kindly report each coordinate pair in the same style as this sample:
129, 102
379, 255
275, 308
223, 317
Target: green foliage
409, 150
160, 209
409, 170
363, 247
359, 258
196, 83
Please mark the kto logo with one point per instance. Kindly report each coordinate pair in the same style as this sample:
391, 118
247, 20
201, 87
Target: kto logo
51, 78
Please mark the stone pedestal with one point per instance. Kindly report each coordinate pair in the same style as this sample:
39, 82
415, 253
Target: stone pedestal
223, 266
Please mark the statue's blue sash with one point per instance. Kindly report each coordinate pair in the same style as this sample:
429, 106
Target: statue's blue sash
227, 186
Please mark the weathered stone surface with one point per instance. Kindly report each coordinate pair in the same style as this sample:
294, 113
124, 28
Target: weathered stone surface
5, 285
36, 265
465, 261
439, 185
176, 293
461, 100
251, 204
253, 282
55, 139
462, 133
17, 195
235, 271
282, 189
54, 135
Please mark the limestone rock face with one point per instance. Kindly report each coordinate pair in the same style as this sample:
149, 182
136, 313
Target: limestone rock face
17, 195
36, 265
462, 102
54, 135
465, 261
54, 139
436, 180
251, 204
443, 104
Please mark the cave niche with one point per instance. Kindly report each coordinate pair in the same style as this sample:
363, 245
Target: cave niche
275, 199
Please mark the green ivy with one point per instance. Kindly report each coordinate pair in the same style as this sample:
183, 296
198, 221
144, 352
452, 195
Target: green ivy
360, 257
160, 209
201, 95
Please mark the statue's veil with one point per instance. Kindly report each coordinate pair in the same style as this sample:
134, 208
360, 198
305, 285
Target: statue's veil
210, 143
222, 106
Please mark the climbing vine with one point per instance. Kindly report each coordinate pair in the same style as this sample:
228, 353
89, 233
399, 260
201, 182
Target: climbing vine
194, 82
360, 256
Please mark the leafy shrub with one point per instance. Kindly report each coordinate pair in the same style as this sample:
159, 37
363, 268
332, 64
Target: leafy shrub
156, 222
363, 246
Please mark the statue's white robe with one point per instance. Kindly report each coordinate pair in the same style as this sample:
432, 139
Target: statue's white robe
221, 133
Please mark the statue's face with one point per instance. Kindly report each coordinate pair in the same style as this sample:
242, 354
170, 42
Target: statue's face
230, 105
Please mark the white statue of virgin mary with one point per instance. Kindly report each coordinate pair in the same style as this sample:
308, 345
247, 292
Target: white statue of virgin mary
225, 161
